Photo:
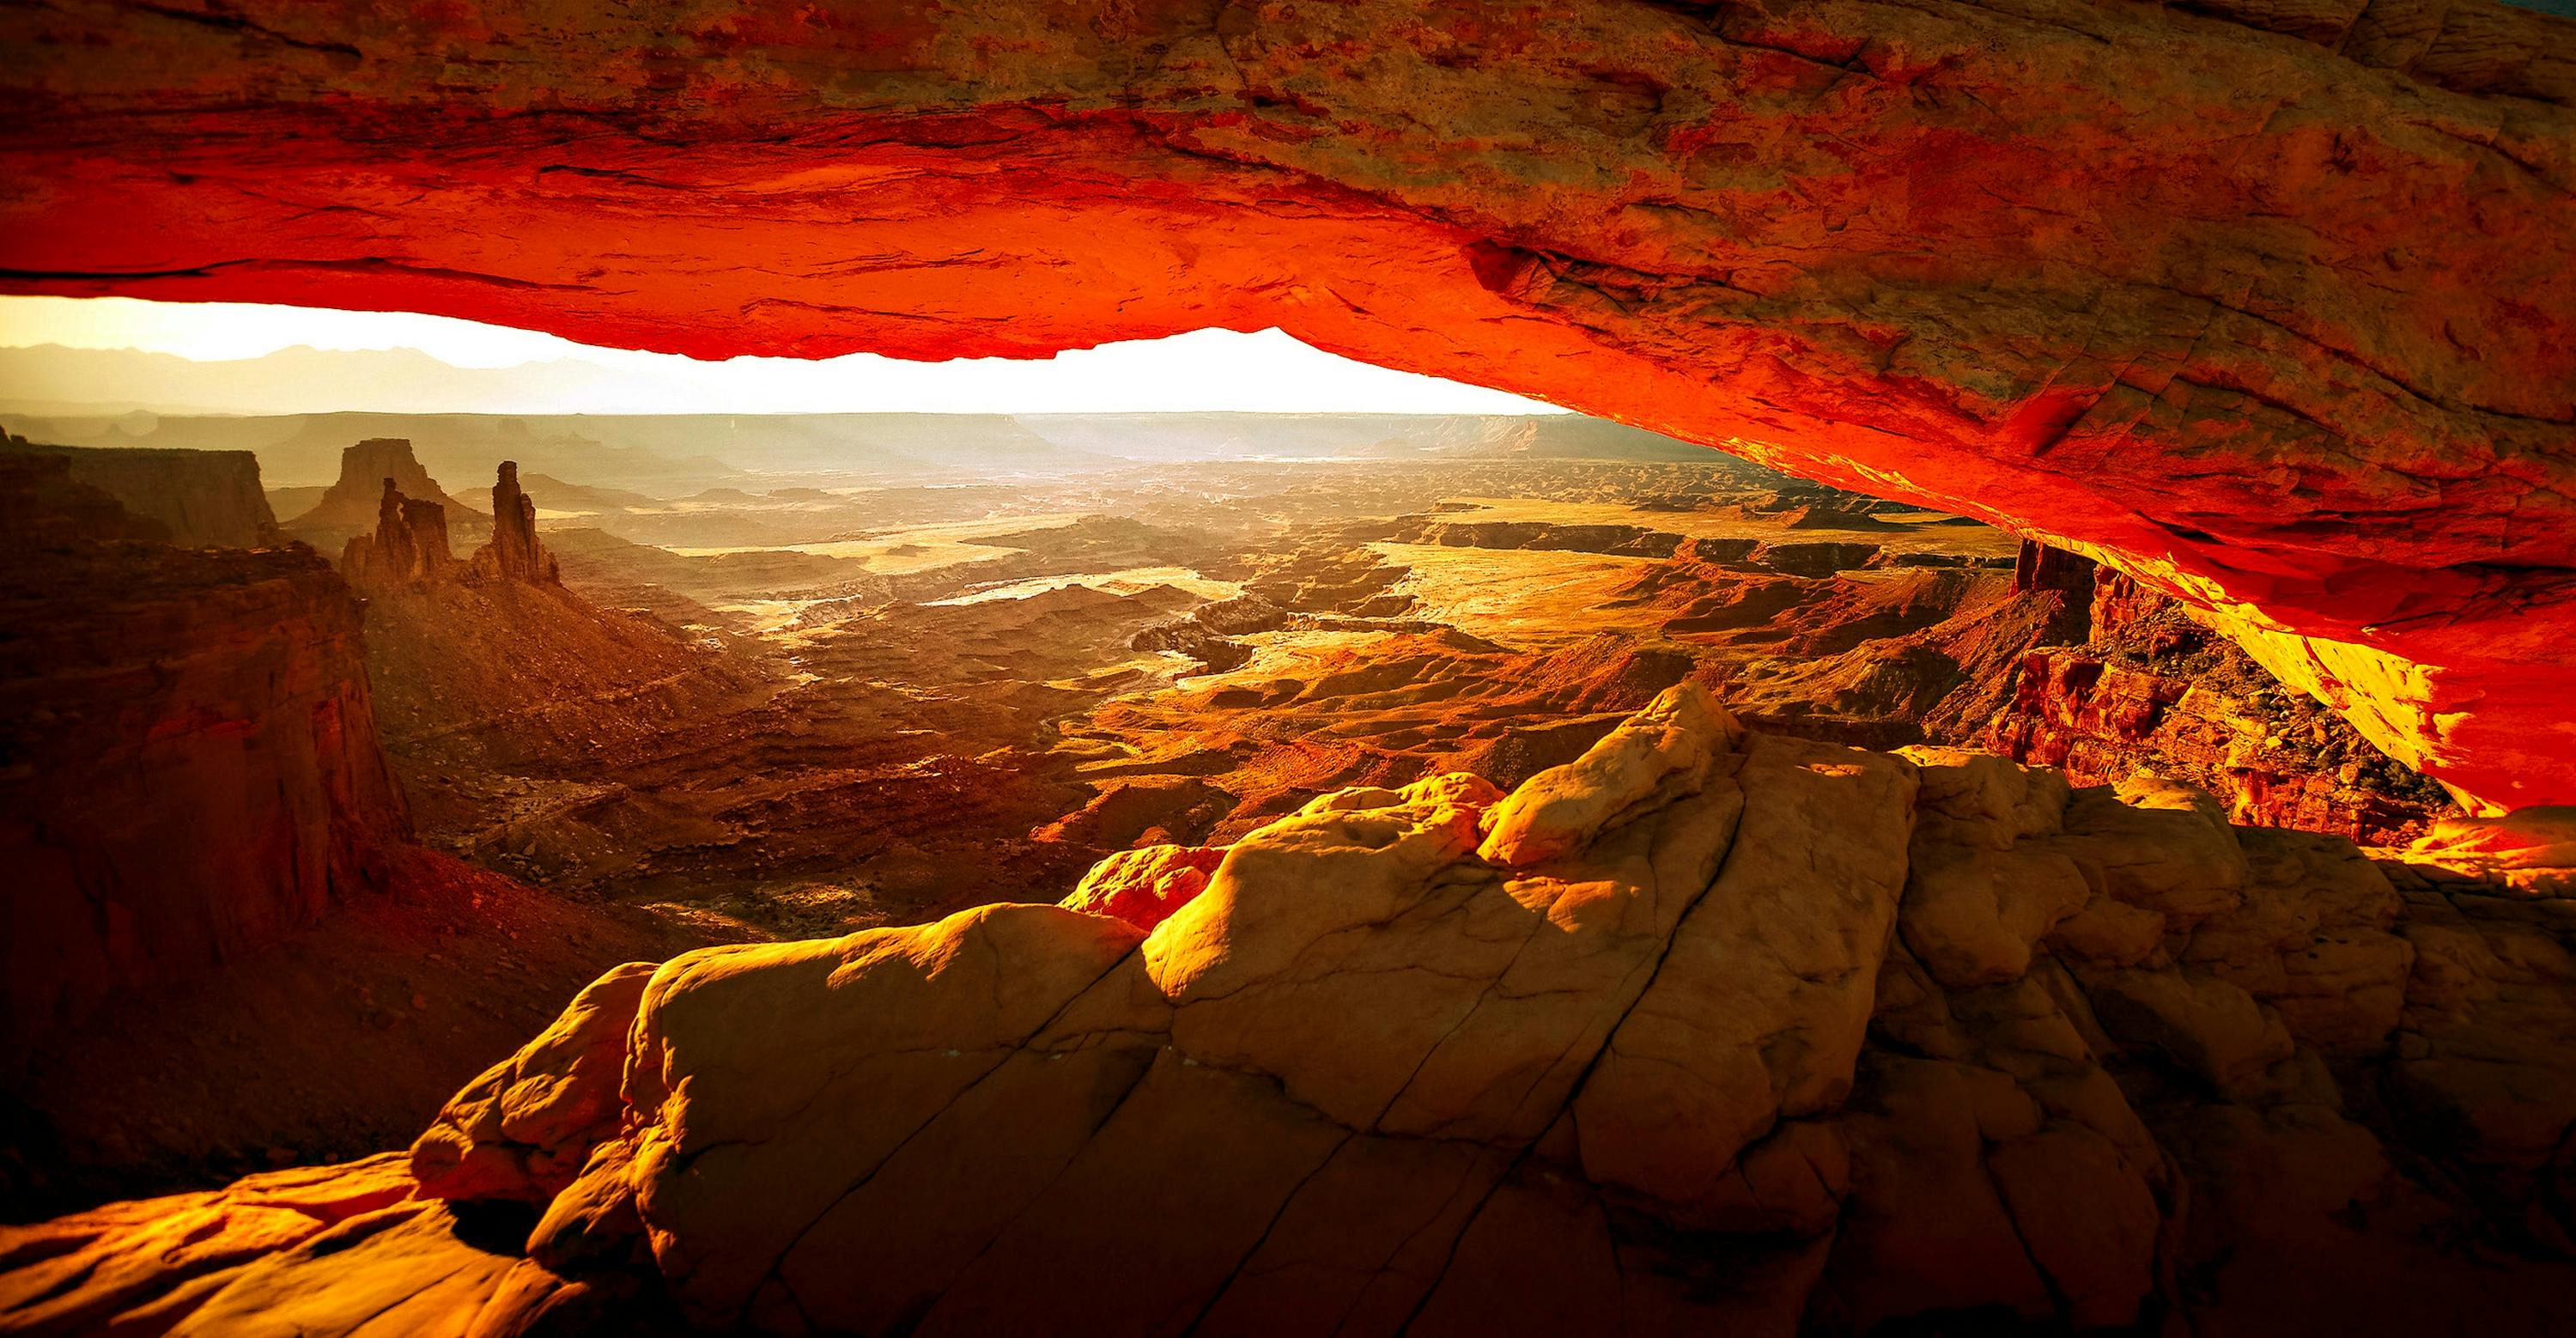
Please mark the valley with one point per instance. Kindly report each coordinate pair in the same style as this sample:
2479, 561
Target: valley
801, 709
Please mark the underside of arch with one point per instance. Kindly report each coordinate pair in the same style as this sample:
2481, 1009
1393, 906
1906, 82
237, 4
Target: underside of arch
2269, 305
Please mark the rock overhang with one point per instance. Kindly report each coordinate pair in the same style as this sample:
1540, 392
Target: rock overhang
2272, 314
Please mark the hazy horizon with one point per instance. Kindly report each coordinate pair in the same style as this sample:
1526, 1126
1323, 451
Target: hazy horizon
122, 355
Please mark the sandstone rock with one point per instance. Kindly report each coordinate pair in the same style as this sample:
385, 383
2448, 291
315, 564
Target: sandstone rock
2311, 939
2208, 1027
1686, 1074
1994, 1161
2157, 845
525, 1127
2300, 1220
514, 553
1927, 1229
142, 1266
2486, 1058
1145, 886
2153, 689
2530, 851
1758, 1010
1978, 799
2109, 933
2037, 566
594, 1221
354, 503
1977, 899
768, 1082
195, 768
402, 1269
409, 545
205, 499
1972, 917
1664, 750
44, 509
2305, 367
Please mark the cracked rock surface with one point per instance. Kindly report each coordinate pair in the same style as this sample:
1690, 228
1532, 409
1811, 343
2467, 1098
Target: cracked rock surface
1708, 1031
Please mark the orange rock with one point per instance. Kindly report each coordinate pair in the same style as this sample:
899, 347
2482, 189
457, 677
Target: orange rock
1730, 1058
1145, 886
2042, 264
525, 1127
148, 1264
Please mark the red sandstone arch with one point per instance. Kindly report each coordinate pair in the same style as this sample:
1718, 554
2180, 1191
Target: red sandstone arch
2269, 304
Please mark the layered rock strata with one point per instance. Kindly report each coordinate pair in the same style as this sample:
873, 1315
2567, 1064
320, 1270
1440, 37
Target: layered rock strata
2266, 305
205, 499
355, 500
2150, 688
1705, 1031
189, 763
409, 544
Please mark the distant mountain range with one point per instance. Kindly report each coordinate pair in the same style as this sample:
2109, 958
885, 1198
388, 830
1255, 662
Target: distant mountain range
108, 398
52, 379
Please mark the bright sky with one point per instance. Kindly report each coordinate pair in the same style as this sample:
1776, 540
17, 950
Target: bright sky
1202, 370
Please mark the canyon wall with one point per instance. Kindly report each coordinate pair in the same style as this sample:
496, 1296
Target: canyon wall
189, 763
2144, 686
206, 499
2267, 306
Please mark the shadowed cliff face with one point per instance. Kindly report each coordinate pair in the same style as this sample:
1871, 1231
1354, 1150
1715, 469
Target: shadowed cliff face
2271, 314
189, 767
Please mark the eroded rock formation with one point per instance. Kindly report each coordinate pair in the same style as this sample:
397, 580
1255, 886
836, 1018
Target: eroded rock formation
205, 499
355, 502
409, 545
1706, 1031
189, 764
2146, 687
2266, 305
514, 553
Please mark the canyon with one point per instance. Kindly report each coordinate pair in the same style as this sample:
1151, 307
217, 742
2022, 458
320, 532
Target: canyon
2263, 306
2016, 779
1514, 844
1708, 1026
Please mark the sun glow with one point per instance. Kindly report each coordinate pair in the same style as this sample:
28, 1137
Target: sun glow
495, 369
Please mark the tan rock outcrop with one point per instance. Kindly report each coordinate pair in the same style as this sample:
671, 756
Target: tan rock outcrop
354, 504
514, 553
409, 545
1694, 1070
525, 1128
1146, 885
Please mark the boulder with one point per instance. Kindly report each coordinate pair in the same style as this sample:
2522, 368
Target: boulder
523, 1130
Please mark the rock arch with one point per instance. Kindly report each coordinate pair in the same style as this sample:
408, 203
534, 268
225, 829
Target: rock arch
2269, 304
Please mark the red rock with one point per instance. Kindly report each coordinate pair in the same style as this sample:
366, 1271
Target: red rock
355, 500
2152, 690
409, 545
2268, 307
194, 763
514, 553
525, 1128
